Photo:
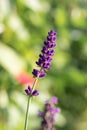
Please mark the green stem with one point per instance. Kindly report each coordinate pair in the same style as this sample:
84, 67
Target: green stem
28, 104
35, 81
27, 111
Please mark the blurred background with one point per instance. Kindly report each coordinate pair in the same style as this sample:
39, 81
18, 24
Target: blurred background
24, 25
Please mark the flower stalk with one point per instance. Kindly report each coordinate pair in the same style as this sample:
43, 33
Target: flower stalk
28, 104
44, 63
27, 113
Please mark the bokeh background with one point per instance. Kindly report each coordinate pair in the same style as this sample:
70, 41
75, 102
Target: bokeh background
23, 27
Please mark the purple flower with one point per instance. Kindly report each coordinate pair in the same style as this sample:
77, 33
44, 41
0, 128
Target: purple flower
48, 115
54, 100
55, 110
35, 93
30, 92
45, 57
38, 73
52, 32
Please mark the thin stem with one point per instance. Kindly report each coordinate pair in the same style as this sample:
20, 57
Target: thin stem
35, 81
28, 104
27, 111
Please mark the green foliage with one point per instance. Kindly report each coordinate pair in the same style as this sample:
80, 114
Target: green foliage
23, 27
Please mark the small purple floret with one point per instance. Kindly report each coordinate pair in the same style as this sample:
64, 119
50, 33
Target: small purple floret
35, 93
55, 100
35, 72
30, 92
54, 110
42, 74
27, 92
29, 88
38, 73
52, 32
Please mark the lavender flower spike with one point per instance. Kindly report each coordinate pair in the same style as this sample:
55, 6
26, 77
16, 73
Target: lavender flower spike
48, 115
45, 57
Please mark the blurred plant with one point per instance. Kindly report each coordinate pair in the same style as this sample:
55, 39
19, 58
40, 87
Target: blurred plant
21, 24
48, 115
44, 64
